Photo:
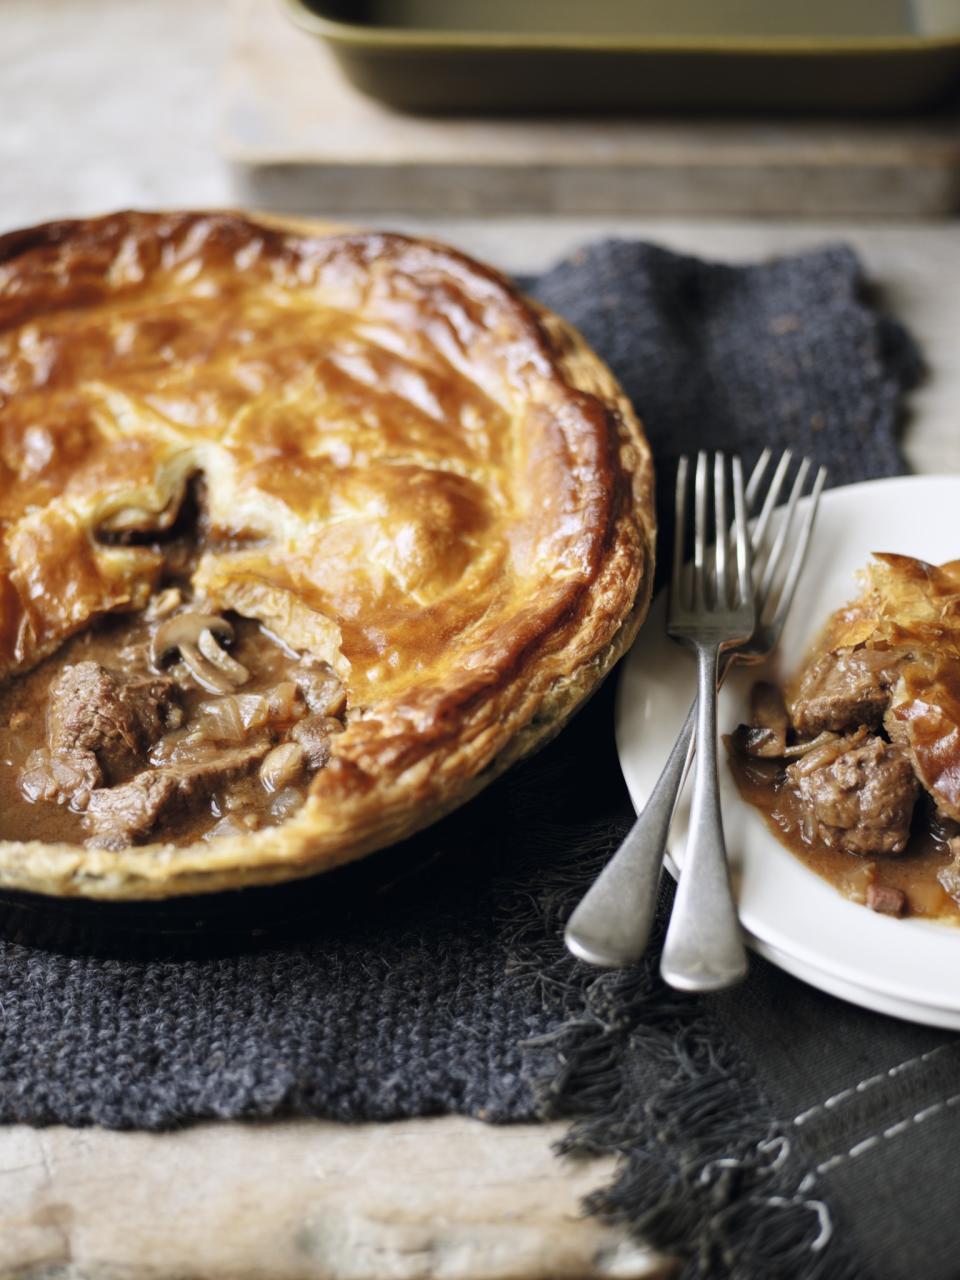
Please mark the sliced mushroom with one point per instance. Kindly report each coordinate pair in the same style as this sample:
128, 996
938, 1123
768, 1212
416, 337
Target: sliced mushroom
768, 716
765, 736
235, 671
194, 636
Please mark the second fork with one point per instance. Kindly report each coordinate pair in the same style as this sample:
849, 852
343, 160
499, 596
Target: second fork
711, 609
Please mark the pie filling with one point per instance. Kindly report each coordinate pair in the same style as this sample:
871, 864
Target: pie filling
174, 723
856, 763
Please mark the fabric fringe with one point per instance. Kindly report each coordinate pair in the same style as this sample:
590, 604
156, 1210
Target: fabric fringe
706, 1174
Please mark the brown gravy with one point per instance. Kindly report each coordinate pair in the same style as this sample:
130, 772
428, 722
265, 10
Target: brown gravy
120, 644
914, 872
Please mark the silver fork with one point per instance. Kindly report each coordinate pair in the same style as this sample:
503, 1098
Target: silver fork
704, 947
612, 924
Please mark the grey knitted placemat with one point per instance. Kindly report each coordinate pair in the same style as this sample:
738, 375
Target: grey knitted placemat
438, 982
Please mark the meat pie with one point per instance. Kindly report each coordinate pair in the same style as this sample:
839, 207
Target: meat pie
307, 537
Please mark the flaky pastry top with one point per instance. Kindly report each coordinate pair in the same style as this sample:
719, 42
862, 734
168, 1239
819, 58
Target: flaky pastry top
907, 604
408, 470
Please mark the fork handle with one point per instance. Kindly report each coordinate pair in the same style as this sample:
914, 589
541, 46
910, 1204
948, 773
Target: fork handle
612, 924
704, 948
613, 921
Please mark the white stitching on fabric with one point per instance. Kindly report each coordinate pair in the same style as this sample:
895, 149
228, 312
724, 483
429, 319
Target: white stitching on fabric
778, 1144
824, 1220
867, 1144
863, 1085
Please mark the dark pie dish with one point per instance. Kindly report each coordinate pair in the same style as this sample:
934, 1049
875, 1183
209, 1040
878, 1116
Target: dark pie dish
308, 536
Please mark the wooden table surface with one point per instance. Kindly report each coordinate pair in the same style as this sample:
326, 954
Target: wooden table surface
311, 1200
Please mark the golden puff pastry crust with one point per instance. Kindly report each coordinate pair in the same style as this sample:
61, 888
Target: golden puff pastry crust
410, 471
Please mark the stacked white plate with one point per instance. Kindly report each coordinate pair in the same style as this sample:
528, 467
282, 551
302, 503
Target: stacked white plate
909, 968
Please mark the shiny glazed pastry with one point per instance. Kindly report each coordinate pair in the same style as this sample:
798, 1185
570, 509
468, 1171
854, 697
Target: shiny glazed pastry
307, 536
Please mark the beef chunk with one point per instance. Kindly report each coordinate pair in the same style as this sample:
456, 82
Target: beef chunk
125, 815
99, 728
844, 689
93, 714
857, 794
59, 778
87, 720
886, 900
153, 702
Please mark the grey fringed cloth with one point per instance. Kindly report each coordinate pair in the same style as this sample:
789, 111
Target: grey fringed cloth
771, 1132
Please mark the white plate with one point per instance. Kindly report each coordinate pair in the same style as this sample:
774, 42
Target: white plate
907, 967
879, 1001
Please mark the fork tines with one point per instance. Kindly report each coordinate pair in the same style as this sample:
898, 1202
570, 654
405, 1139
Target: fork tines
778, 547
723, 579
779, 543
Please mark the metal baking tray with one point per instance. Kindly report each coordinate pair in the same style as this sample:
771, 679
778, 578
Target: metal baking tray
614, 55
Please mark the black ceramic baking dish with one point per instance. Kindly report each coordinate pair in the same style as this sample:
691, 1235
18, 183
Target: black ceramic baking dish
237, 921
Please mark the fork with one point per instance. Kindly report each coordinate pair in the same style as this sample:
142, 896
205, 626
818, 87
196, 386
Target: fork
704, 946
612, 924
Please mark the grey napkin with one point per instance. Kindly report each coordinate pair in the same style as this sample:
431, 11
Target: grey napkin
432, 977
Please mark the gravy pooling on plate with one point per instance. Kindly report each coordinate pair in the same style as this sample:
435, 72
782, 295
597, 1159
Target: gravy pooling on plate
856, 764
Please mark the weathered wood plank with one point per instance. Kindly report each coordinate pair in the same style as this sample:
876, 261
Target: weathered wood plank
302, 1200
